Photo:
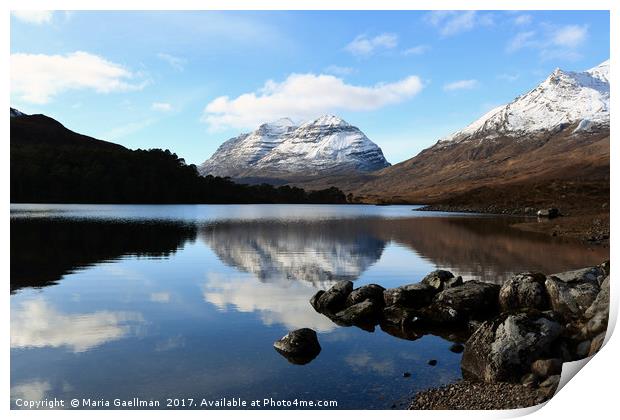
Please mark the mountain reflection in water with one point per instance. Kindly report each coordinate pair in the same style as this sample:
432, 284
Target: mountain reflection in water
317, 252
188, 300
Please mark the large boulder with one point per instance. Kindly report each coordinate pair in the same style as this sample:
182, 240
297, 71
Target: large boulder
411, 296
474, 299
442, 279
333, 300
590, 274
503, 349
525, 290
571, 299
366, 312
372, 292
597, 314
299, 346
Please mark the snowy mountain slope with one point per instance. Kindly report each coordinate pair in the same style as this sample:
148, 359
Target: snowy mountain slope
243, 151
327, 144
564, 98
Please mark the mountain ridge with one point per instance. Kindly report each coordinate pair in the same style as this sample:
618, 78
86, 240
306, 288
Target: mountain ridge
327, 144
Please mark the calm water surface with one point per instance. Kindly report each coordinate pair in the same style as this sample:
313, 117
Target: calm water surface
186, 301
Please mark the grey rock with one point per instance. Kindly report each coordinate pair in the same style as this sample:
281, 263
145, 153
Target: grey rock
597, 314
411, 296
597, 343
525, 290
472, 300
590, 274
544, 368
438, 279
333, 300
549, 385
529, 380
504, 348
299, 346
362, 312
572, 299
314, 300
372, 292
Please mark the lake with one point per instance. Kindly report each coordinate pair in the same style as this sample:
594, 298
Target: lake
185, 301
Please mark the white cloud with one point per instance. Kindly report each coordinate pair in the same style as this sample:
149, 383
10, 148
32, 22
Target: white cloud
32, 391
339, 70
363, 46
460, 85
33, 16
176, 63
37, 78
417, 50
303, 96
521, 40
454, 22
37, 324
552, 41
570, 36
160, 297
523, 20
161, 106
508, 77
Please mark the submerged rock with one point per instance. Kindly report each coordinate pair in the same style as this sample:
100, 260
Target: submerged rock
525, 290
504, 348
299, 346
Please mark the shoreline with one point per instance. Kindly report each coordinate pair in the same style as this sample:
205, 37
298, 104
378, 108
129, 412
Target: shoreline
468, 395
592, 229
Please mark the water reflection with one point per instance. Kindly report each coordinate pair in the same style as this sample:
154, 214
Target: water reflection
35, 323
277, 302
192, 304
43, 251
320, 253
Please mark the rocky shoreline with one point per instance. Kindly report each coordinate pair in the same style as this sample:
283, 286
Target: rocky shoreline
514, 338
590, 228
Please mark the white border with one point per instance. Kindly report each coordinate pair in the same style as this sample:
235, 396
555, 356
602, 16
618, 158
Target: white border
592, 395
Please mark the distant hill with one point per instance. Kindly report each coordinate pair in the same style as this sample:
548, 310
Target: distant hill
52, 164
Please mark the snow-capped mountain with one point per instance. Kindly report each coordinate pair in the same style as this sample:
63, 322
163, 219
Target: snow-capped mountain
556, 132
564, 98
327, 144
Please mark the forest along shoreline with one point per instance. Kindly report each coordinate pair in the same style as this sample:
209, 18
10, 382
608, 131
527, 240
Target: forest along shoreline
514, 338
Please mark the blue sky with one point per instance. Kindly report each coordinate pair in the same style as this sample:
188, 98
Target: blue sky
187, 81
